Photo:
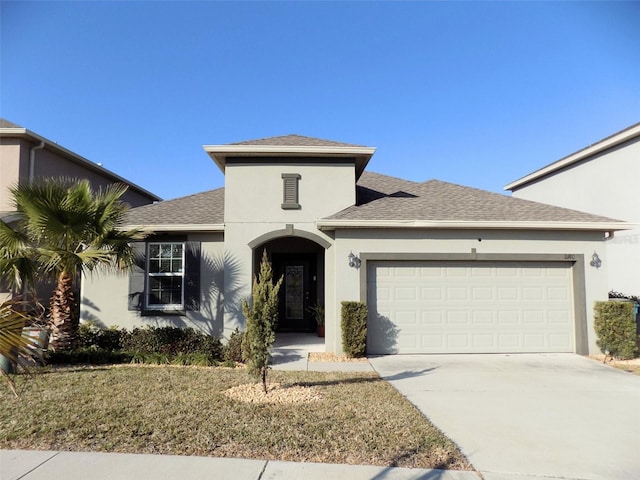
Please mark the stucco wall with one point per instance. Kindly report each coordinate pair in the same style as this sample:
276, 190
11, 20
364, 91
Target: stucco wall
104, 296
347, 279
253, 193
14, 160
608, 185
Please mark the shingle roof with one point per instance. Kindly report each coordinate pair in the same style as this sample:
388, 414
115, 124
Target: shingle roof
294, 140
206, 208
380, 197
4, 123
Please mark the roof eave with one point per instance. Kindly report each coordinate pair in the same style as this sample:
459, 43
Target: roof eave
578, 156
220, 153
85, 162
466, 225
179, 227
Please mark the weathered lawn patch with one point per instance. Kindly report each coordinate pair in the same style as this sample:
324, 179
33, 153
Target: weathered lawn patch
358, 419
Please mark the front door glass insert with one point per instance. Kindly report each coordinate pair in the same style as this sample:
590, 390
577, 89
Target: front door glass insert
294, 292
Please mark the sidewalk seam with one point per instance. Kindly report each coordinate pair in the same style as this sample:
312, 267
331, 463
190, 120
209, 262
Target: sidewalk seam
264, 467
39, 465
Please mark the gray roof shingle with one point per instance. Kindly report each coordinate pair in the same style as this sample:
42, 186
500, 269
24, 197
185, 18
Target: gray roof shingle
387, 198
294, 140
381, 197
206, 208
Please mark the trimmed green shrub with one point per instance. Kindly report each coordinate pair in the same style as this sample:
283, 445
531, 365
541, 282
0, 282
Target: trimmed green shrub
171, 341
232, 351
91, 336
354, 328
615, 326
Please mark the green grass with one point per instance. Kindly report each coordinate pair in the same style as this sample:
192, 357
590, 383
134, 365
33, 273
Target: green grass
182, 410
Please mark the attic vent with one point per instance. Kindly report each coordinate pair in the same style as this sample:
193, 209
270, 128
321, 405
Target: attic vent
290, 191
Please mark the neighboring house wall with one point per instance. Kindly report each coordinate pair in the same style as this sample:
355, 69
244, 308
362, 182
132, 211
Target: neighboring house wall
14, 161
607, 184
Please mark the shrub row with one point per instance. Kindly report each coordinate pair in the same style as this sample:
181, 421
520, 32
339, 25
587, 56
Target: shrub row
153, 345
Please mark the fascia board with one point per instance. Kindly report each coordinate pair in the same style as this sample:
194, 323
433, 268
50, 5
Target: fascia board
219, 153
598, 226
85, 162
591, 150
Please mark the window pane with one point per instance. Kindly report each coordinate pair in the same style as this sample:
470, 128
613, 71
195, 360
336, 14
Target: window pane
154, 251
177, 251
165, 290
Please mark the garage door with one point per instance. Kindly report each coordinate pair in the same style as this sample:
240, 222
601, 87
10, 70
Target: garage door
469, 307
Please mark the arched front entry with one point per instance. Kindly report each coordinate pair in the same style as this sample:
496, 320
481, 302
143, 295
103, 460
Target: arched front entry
301, 264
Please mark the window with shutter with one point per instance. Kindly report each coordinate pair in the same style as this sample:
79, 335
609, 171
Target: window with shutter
290, 191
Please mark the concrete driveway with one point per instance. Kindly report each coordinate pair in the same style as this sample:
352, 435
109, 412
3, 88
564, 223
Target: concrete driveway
527, 416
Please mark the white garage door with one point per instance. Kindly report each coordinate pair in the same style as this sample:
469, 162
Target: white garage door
469, 307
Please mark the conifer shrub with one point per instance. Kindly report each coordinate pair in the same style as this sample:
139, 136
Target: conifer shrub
261, 316
354, 328
615, 326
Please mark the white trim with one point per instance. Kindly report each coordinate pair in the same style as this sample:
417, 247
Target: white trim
317, 150
591, 150
486, 225
220, 153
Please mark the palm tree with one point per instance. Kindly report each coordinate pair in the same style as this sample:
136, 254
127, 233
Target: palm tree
62, 229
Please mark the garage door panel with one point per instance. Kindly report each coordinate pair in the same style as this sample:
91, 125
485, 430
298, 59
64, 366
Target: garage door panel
470, 307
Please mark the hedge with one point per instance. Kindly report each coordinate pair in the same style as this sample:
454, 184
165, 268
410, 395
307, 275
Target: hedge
615, 326
354, 328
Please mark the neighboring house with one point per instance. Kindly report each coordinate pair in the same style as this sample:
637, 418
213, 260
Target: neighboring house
604, 179
25, 155
443, 268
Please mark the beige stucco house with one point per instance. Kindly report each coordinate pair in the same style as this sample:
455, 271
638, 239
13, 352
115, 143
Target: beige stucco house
25, 156
442, 267
603, 178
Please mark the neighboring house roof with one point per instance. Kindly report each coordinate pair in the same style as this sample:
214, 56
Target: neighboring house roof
292, 146
579, 156
11, 130
389, 202
199, 212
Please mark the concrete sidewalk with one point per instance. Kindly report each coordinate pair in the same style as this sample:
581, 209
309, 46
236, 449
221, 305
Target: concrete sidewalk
41, 465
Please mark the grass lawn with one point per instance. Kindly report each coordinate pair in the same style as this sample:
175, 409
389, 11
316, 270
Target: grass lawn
359, 419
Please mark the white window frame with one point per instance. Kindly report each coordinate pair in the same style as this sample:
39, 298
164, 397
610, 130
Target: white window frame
149, 275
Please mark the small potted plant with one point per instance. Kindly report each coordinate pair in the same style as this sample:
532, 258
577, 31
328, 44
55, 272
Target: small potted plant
318, 314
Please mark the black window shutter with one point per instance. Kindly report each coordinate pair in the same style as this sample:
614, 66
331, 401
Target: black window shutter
192, 276
136, 278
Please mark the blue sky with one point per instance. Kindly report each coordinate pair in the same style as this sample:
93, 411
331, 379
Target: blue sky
477, 94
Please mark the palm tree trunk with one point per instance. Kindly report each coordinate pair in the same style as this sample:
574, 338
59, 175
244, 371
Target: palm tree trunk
64, 316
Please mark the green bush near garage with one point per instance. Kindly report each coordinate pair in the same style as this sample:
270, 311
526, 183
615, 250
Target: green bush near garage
615, 326
354, 328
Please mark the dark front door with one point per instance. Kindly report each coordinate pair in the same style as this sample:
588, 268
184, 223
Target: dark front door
298, 291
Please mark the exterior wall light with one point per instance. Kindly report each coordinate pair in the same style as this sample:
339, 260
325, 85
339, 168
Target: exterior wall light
595, 260
354, 262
